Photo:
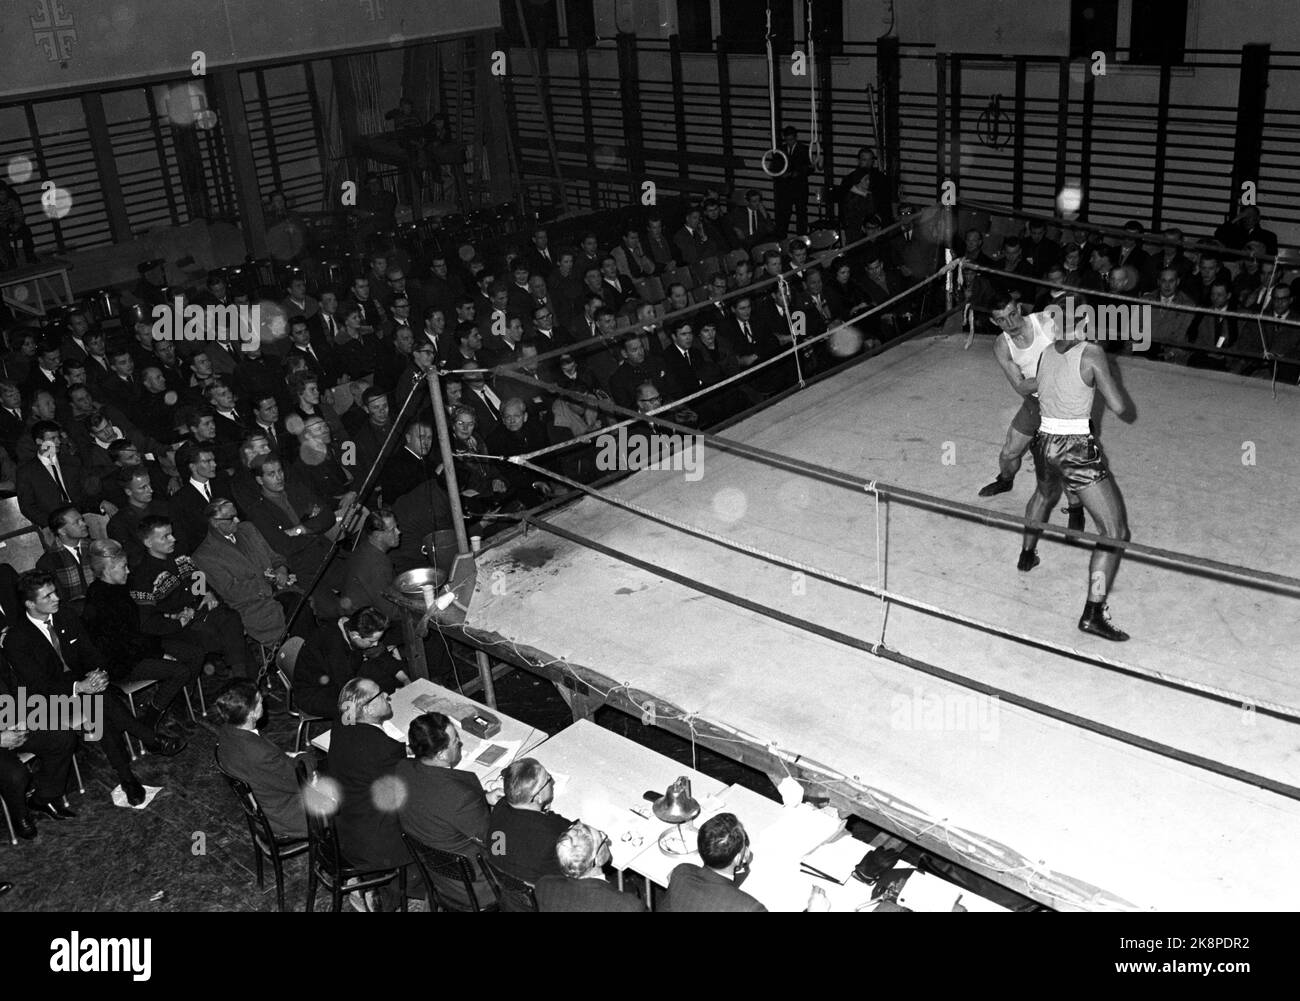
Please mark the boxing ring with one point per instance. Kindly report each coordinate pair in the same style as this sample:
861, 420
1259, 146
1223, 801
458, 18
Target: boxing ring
799, 609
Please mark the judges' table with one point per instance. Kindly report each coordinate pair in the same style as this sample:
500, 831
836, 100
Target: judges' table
485, 758
600, 779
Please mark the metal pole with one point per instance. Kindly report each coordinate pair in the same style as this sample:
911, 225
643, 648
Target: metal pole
457, 514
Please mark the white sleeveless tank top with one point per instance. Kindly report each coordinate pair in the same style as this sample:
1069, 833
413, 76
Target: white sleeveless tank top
1026, 359
1065, 399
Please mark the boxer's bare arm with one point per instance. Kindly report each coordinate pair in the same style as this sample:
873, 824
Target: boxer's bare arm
1094, 368
1023, 386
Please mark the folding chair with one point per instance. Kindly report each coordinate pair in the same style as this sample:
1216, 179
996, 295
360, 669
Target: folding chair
129, 688
649, 290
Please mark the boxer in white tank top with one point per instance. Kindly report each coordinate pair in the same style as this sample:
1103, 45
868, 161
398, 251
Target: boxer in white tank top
1067, 456
1017, 349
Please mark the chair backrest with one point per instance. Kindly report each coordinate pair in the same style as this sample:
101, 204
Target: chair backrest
674, 275
762, 248
705, 268
259, 828
515, 894
449, 865
288, 655
322, 835
650, 289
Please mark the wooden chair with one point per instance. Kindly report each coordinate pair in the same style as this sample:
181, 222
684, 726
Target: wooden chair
326, 863
732, 258
514, 895
266, 844
435, 862
674, 275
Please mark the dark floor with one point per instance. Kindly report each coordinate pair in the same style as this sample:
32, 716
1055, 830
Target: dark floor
189, 849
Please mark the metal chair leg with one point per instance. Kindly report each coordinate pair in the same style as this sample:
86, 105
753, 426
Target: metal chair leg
9, 822
76, 770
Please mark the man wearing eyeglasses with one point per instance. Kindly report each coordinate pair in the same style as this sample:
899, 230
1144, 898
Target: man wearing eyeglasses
522, 831
363, 759
583, 852
1017, 350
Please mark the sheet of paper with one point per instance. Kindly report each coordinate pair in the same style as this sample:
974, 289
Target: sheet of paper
838, 858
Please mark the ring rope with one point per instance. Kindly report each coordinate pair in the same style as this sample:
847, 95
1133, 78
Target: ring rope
1012, 698
1278, 709
988, 516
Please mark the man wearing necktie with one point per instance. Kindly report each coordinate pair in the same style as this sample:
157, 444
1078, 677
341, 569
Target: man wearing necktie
52, 655
69, 559
791, 188
49, 479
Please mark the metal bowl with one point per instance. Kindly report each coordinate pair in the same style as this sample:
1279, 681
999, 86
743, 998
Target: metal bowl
415, 581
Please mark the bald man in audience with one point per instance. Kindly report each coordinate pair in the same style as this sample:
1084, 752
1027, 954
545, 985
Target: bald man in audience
583, 852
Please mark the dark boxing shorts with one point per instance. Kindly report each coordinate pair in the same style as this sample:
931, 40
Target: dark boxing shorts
1072, 460
1026, 419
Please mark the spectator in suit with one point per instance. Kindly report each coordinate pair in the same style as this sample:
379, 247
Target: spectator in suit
724, 850
630, 257
751, 338
324, 327
791, 188
483, 400
296, 300
299, 524
267, 422
113, 621
658, 246
582, 853
1282, 342
363, 760
52, 655
864, 192
408, 467
683, 365
335, 654
1013, 260
318, 354
122, 389
47, 372
522, 830
73, 344
1209, 272
98, 370
519, 296
1214, 330
369, 437
245, 572
539, 257
616, 289
50, 479
201, 484
1040, 252
445, 807
370, 569
715, 226
359, 295
691, 243
230, 425
251, 758
171, 607
750, 223
53, 750
1131, 254
69, 560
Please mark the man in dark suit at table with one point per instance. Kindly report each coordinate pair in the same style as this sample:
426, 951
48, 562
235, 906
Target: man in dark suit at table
363, 760
791, 188
523, 831
445, 807
251, 758
724, 850
583, 852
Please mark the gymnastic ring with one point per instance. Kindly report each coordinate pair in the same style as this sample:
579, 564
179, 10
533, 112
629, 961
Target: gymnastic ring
773, 157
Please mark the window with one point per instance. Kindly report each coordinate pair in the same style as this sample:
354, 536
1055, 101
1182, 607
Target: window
1094, 26
695, 25
543, 22
1158, 32
744, 25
